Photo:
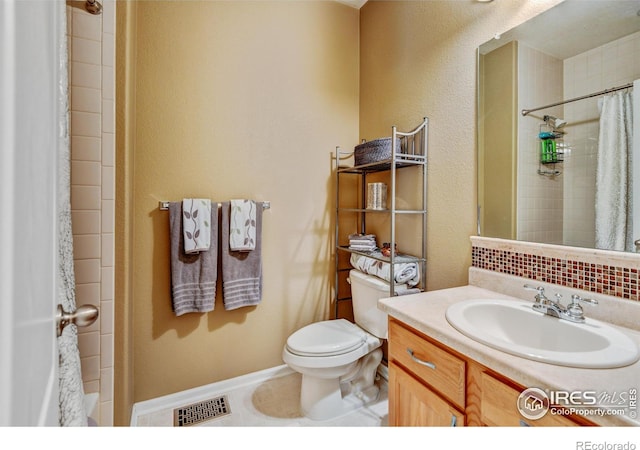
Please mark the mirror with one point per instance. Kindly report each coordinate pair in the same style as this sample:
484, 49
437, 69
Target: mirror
538, 173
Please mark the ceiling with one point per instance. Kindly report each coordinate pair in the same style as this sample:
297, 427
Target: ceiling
353, 3
573, 27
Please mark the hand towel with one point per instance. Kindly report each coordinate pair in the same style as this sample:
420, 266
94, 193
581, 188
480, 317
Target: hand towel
196, 224
193, 276
242, 225
241, 271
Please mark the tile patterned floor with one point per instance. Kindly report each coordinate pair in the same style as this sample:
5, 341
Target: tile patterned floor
267, 402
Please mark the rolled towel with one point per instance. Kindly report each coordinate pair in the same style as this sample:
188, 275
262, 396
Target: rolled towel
196, 224
404, 272
407, 291
242, 226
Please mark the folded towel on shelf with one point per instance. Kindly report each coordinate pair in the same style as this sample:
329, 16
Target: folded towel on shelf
362, 248
404, 272
196, 224
193, 276
357, 237
362, 242
241, 270
242, 225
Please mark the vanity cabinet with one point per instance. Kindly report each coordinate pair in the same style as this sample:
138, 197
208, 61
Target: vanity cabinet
433, 385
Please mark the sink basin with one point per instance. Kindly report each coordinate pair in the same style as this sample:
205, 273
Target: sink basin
514, 327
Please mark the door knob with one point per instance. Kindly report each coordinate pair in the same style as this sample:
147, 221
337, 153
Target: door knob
637, 244
82, 317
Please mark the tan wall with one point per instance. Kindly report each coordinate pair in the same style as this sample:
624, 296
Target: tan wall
235, 100
419, 59
498, 112
125, 45
278, 83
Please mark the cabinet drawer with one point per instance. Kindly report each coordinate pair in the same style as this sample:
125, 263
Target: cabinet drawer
413, 404
437, 367
499, 407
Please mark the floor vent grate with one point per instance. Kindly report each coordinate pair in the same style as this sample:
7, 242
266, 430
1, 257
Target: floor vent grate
201, 411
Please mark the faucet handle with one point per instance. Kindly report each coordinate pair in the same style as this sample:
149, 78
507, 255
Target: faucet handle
577, 299
575, 309
540, 297
539, 289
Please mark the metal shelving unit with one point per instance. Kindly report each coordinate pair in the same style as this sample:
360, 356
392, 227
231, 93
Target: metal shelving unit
412, 153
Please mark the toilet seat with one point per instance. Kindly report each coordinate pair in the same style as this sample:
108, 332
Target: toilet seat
327, 338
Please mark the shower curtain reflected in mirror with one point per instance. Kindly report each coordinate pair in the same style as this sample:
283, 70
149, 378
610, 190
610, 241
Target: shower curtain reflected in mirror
614, 174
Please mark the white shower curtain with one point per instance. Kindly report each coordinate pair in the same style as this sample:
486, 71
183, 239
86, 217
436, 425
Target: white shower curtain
614, 174
71, 393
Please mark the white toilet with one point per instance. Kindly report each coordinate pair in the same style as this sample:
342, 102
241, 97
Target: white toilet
337, 358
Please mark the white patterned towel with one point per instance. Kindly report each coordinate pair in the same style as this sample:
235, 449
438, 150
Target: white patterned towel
408, 273
196, 226
242, 226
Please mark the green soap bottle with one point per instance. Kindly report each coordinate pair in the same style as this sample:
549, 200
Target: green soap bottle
548, 151
544, 156
553, 153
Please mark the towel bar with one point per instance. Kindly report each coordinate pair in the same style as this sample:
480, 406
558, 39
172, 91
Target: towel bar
164, 205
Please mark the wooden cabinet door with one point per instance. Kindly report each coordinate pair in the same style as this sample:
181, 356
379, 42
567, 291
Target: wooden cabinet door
413, 404
499, 407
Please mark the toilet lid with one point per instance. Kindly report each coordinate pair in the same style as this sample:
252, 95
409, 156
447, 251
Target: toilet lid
327, 338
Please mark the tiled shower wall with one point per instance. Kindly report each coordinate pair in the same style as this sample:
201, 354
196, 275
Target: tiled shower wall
92, 92
614, 64
540, 198
559, 209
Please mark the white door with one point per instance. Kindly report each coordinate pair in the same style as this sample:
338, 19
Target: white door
28, 256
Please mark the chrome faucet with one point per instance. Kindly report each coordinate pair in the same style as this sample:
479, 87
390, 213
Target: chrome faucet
573, 312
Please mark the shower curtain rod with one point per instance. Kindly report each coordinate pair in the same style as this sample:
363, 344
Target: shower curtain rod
595, 94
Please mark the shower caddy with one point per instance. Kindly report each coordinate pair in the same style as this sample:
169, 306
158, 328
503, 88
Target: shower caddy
405, 150
551, 152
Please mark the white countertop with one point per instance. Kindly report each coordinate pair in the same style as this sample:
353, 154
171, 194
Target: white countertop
426, 313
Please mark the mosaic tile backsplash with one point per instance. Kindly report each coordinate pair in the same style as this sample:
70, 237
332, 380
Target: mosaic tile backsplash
619, 281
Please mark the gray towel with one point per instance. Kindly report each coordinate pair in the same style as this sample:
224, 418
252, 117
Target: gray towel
241, 271
193, 276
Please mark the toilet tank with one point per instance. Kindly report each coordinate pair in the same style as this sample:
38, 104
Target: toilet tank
366, 290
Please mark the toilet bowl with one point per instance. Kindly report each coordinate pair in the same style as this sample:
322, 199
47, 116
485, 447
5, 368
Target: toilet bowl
338, 359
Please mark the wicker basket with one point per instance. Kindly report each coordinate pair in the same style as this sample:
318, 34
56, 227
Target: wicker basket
374, 151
